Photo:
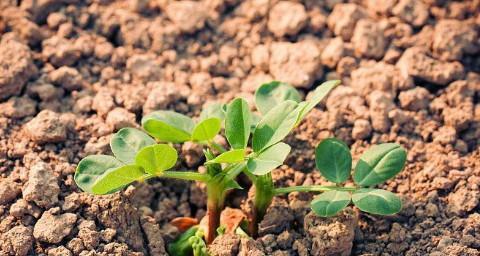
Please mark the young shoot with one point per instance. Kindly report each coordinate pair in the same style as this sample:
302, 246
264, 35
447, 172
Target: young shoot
255, 148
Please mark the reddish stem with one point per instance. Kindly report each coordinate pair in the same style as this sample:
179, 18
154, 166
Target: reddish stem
213, 214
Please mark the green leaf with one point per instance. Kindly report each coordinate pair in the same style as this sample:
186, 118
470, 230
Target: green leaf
269, 159
377, 201
127, 142
231, 184
232, 156
114, 179
237, 123
317, 95
168, 126
157, 158
207, 129
91, 168
330, 203
379, 163
275, 125
213, 110
271, 94
333, 159
254, 120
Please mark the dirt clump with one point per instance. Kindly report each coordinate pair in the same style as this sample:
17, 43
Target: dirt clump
9, 190
287, 18
42, 186
52, 226
295, 63
66, 77
73, 72
271, 224
18, 107
415, 62
343, 19
413, 12
17, 241
453, 38
47, 126
368, 39
188, 16
233, 245
17, 67
331, 236
225, 245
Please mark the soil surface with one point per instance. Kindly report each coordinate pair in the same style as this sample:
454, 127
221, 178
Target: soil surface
73, 72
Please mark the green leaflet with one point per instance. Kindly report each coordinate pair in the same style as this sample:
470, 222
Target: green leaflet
269, 95
333, 159
275, 125
254, 120
237, 123
330, 203
90, 168
379, 163
377, 201
127, 142
207, 129
114, 179
213, 110
168, 126
157, 158
269, 159
317, 95
232, 156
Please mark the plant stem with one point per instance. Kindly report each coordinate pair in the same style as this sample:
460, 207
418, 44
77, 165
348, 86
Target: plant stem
215, 203
234, 170
264, 193
313, 188
213, 213
186, 175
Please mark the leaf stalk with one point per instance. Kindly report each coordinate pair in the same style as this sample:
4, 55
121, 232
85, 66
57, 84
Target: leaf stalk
312, 188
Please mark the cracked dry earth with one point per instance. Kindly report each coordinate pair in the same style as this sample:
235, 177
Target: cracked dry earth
73, 72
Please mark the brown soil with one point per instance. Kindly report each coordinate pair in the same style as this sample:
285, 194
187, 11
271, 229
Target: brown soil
73, 72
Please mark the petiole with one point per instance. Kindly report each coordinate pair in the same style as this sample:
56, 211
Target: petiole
312, 188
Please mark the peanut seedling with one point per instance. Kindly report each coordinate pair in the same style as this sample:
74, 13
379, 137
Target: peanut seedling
255, 149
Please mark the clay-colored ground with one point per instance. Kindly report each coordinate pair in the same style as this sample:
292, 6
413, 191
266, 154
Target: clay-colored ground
72, 72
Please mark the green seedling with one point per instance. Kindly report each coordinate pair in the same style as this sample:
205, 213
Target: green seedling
255, 149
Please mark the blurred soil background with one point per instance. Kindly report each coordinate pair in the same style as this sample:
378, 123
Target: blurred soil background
72, 72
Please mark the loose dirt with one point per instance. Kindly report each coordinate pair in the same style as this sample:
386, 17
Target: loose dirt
73, 72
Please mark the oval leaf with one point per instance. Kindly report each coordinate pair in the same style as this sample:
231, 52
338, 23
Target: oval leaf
207, 129
237, 123
91, 168
317, 95
157, 158
117, 178
127, 142
271, 94
275, 125
333, 159
377, 201
254, 120
168, 126
232, 156
269, 159
379, 163
213, 110
330, 203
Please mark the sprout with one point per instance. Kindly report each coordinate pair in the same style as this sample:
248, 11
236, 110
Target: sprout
255, 149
